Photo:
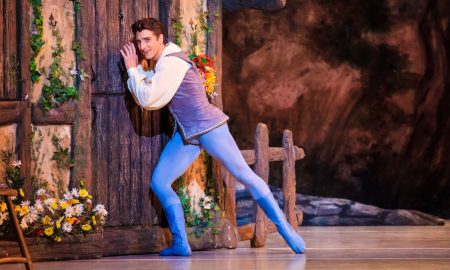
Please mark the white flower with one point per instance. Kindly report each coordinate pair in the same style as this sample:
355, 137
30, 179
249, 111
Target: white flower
67, 227
75, 193
207, 206
78, 209
25, 203
89, 201
17, 163
68, 196
69, 211
33, 216
73, 71
38, 206
3, 217
23, 224
40, 192
100, 209
49, 201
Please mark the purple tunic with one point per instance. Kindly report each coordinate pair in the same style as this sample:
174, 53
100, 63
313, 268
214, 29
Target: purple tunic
193, 113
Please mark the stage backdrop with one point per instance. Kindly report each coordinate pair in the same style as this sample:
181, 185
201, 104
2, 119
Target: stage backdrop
363, 85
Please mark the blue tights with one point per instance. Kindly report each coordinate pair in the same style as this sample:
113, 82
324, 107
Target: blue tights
178, 156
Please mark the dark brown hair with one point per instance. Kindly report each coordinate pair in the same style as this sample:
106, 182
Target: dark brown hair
151, 24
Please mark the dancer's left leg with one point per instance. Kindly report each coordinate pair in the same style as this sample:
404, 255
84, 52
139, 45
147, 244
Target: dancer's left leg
220, 145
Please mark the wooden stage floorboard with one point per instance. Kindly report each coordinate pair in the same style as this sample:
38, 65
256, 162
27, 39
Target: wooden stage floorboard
419, 248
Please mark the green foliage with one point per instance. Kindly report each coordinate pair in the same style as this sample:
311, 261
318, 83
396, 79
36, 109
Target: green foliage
36, 38
177, 27
203, 22
77, 5
12, 174
77, 48
61, 155
56, 91
209, 212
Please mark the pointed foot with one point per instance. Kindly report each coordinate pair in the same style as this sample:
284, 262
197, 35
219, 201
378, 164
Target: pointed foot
176, 251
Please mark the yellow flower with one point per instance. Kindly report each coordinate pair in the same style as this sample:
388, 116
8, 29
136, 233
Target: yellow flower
21, 192
17, 208
46, 220
48, 231
86, 227
54, 205
70, 220
58, 224
83, 193
74, 201
2, 207
63, 204
57, 239
94, 222
25, 210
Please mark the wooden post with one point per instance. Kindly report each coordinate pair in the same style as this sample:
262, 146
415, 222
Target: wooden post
228, 204
24, 127
289, 178
261, 168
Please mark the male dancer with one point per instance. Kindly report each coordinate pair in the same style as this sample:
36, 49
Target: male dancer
198, 125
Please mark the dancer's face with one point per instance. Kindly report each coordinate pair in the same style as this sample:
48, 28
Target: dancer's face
149, 44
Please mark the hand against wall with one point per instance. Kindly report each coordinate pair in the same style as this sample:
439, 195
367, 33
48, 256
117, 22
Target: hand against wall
129, 55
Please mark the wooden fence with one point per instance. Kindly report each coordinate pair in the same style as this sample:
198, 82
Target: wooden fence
260, 157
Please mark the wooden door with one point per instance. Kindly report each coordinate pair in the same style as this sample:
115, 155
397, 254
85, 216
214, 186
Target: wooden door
126, 140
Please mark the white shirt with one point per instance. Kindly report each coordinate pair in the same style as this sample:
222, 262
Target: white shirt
153, 90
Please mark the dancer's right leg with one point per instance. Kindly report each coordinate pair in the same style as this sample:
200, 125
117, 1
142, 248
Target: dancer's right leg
173, 162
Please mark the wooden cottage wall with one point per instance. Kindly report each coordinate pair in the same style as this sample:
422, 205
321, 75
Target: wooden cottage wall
114, 143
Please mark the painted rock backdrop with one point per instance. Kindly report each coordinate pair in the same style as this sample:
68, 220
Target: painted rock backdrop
363, 85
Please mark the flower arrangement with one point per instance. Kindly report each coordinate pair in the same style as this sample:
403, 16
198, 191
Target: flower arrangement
205, 66
49, 216
54, 218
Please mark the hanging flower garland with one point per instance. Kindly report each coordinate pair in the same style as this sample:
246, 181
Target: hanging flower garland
204, 63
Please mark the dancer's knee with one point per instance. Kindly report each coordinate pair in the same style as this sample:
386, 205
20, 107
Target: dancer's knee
157, 186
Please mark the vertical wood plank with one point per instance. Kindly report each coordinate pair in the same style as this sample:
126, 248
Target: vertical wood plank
157, 144
24, 127
114, 186
289, 182
101, 57
2, 57
100, 150
81, 130
145, 141
154, 9
261, 167
124, 145
168, 10
135, 169
229, 198
11, 68
214, 46
115, 42
142, 10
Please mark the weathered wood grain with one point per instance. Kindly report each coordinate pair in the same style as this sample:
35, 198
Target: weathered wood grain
63, 115
10, 112
289, 181
261, 168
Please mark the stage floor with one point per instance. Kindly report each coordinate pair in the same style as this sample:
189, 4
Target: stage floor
419, 248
